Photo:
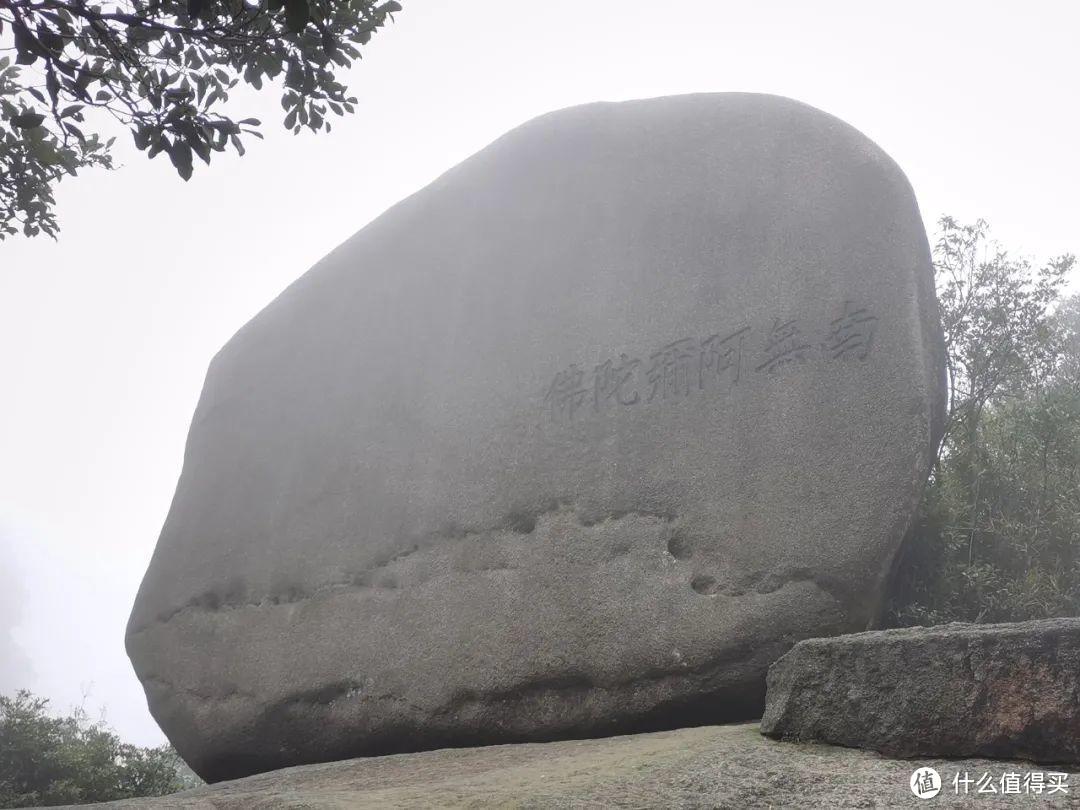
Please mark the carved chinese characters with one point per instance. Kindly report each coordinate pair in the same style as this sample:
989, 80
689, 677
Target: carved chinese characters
687, 365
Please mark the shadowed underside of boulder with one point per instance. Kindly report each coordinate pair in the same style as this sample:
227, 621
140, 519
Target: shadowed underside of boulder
577, 440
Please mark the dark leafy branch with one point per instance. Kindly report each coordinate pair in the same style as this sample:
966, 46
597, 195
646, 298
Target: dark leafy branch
162, 69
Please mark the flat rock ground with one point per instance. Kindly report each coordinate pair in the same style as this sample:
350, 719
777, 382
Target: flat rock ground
713, 766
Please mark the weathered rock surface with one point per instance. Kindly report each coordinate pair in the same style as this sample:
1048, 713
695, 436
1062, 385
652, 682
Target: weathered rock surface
577, 440
715, 767
995, 690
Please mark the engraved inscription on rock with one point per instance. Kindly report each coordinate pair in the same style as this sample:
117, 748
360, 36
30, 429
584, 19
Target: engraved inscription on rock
714, 363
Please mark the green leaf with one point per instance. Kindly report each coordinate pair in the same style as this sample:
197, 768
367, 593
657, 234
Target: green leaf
81, 83
142, 138
297, 15
25, 45
290, 119
159, 145
46, 153
28, 120
254, 122
329, 43
52, 84
294, 76
201, 148
180, 155
78, 133
50, 39
202, 81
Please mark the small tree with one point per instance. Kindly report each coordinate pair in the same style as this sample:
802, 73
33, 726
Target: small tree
997, 537
996, 311
48, 760
161, 69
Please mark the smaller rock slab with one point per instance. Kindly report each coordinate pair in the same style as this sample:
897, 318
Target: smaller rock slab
992, 690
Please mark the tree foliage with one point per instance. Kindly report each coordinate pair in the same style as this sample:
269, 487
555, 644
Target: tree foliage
998, 533
48, 760
163, 69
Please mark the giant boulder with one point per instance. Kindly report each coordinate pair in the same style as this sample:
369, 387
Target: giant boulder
575, 441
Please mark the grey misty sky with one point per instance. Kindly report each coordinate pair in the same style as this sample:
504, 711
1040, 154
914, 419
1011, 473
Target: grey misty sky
105, 336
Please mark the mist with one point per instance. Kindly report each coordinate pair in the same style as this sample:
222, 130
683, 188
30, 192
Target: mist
15, 670
106, 334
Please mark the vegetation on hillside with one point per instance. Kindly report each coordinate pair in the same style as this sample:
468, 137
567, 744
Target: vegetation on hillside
997, 537
47, 760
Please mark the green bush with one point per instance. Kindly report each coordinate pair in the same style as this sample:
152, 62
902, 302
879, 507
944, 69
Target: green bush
47, 760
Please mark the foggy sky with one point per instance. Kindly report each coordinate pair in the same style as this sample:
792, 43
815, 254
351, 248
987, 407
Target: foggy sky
15, 670
105, 336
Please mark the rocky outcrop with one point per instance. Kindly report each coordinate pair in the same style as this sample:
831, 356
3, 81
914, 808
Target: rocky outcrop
575, 441
995, 690
712, 767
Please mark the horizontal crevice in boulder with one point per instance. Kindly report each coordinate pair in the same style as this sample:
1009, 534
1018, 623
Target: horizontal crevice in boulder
233, 597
